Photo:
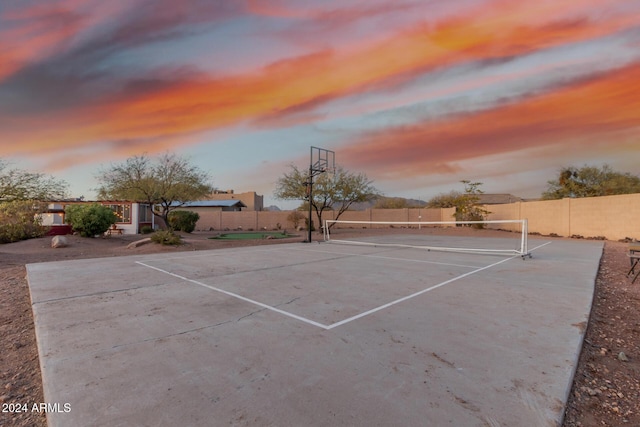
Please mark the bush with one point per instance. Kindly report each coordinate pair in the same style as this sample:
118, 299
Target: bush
295, 217
89, 220
146, 229
165, 237
183, 221
18, 221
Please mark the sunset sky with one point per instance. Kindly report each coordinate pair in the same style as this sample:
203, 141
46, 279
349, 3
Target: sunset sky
416, 94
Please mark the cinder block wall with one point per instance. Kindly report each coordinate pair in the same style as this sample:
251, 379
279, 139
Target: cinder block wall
274, 220
208, 219
612, 217
548, 217
504, 212
394, 215
247, 220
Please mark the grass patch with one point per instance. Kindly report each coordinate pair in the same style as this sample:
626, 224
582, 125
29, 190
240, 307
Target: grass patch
253, 235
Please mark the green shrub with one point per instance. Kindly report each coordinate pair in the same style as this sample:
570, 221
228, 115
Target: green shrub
165, 237
19, 221
89, 220
146, 229
183, 221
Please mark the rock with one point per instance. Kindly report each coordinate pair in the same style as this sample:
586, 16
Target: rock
623, 357
590, 391
59, 242
139, 243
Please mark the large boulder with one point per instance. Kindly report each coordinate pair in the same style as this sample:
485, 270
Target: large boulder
59, 242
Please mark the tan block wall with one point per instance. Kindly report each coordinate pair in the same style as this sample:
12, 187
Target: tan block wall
548, 216
353, 216
247, 220
209, 219
613, 217
392, 215
421, 214
274, 220
447, 214
255, 220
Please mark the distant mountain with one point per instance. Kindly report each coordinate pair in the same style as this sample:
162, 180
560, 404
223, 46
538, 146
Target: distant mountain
384, 202
272, 208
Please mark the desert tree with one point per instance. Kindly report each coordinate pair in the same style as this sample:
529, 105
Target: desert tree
17, 184
337, 192
166, 182
466, 203
590, 181
19, 220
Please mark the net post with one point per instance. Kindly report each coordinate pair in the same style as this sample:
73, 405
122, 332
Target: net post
525, 238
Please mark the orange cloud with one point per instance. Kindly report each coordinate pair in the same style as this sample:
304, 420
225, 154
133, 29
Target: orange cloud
588, 113
274, 93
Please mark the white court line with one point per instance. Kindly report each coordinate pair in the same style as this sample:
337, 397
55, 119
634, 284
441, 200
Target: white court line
345, 321
446, 282
259, 304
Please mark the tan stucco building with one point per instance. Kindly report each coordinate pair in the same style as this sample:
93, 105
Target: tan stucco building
251, 200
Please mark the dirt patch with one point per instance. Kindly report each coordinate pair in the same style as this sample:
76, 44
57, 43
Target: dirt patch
606, 387
606, 390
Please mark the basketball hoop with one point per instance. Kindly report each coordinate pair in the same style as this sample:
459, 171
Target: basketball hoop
322, 160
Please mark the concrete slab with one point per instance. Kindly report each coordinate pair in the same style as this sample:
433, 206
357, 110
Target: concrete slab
319, 334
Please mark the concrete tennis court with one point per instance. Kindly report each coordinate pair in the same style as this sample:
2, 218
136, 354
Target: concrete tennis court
314, 334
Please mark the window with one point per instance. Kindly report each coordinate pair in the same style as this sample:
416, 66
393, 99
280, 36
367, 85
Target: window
122, 211
144, 214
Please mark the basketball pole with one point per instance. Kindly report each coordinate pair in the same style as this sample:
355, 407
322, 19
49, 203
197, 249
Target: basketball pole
310, 195
323, 160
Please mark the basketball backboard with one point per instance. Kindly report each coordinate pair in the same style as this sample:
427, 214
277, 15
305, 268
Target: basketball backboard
322, 161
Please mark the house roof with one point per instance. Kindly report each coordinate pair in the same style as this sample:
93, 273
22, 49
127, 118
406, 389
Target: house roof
212, 204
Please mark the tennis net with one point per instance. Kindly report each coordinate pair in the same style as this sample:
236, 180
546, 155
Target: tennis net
501, 237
